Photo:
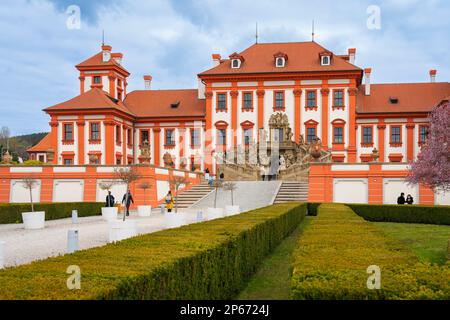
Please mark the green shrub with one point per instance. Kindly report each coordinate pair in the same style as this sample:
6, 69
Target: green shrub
312, 208
403, 213
209, 260
12, 212
338, 246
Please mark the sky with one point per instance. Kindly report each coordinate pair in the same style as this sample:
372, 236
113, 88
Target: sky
41, 41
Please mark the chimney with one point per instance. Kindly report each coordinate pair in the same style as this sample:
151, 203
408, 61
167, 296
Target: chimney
147, 82
351, 55
367, 73
106, 52
433, 73
117, 57
201, 89
216, 58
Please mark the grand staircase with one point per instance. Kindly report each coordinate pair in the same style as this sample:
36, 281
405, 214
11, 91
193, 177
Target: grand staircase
292, 191
192, 195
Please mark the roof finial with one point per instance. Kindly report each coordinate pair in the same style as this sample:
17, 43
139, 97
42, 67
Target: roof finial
312, 31
256, 34
103, 37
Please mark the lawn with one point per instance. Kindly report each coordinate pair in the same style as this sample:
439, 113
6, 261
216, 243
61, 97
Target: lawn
273, 279
429, 242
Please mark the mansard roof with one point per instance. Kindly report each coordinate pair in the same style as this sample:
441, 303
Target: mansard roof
303, 57
412, 97
166, 103
91, 100
96, 62
42, 146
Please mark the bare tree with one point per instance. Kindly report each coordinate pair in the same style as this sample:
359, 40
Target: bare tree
217, 184
107, 185
5, 135
175, 183
127, 175
30, 183
230, 186
144, 186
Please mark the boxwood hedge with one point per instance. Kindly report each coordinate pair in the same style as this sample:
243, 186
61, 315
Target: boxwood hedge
210, 260
12, 212
338, 246
403, 213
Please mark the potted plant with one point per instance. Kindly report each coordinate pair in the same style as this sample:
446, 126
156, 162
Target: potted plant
108, 212
176, 219
215, 213
32, 220
231, 210
144, 210
123, 229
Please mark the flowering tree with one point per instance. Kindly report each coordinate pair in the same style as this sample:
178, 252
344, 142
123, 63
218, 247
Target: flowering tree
432, 167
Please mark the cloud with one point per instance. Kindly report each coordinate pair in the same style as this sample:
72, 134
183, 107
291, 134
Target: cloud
173, 41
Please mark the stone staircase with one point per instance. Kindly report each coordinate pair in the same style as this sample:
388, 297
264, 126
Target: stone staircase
292, 191
192, 195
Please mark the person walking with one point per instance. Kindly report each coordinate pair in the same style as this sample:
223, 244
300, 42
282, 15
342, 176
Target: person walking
109, 200
401, 199
409, 199
169, 201
207, 174
127, 200
221, 177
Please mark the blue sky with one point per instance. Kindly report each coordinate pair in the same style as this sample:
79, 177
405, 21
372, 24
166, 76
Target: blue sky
173, 41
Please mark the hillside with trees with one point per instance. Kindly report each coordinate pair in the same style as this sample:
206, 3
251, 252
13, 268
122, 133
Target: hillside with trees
18, 145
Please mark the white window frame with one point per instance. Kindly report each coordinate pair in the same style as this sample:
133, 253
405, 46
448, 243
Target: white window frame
322, 62
282, 64
238, 64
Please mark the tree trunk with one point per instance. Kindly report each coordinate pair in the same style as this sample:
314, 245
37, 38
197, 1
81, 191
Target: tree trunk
31, 200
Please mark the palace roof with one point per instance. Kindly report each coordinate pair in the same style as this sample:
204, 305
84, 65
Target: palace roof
401, 97
166, 103
42, 146
303, 57
97, 61
92, 99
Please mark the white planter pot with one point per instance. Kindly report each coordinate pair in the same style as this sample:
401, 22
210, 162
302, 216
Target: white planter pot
144, 211
120, 230
109, 213
174, 220
215, 213
33, 220
2, 254
232, 210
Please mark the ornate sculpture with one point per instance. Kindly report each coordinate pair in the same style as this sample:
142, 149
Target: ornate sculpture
315, 148
145, 152
7, 159
168, 162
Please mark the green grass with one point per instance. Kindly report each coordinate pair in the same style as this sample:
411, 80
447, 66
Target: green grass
273, 279
428, 242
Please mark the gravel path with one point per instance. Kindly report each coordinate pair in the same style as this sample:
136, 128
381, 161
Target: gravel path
24, 246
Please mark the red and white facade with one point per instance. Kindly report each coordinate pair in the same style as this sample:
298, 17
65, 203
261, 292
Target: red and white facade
322, 93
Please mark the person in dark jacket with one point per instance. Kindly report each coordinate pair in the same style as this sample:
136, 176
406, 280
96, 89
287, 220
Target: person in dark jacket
110, 200
409, 199
401, 199
221, 176
128, 201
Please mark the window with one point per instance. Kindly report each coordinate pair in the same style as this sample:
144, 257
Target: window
170, 141
41, 158
222, 137
235, 63
144, 136
247, 136
396, 138
325, 61
279, 99
248, 100
129, 138
310, 134
67, 162
280, 62
338, 135
222, 101
195, 137
118, 160
118, 134
367, 136
311, 99
95, 131
338, 98
423, 134
97, 79
68, 132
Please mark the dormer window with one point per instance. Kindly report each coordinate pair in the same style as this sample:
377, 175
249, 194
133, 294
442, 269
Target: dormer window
236, 60
393, 100
325, 58
280, 59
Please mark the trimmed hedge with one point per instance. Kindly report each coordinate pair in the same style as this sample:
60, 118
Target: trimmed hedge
12, 212
209, 260
312, 208
338, 246
403, 213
